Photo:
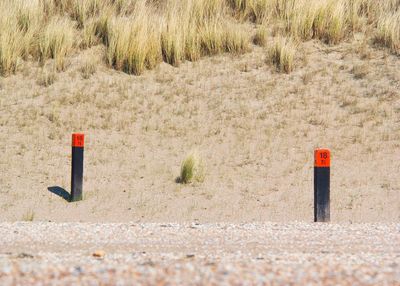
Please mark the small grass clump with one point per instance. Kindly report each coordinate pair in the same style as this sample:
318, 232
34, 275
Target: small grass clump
255, 10
133, 43
211, 37
57, 40
236, 40
81, 10
88, 68
11, 40
388, 31
29, 216
88, 34
10, 50
281, 55
173, 35
325, 20
335, 23
192, 169
30, 18
47, 77
260, 37
360, 71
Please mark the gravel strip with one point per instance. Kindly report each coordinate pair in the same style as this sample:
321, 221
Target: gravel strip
241, 254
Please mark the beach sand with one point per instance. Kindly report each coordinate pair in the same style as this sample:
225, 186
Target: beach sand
256, 130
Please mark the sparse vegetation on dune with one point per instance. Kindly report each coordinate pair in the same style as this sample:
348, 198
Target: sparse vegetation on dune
281, 55
388, 33
11, 38
56, 41
260, 37
192, 169
29, 215
139, 34
133, 42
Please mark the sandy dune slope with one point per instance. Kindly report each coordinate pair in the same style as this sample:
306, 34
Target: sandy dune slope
256, 130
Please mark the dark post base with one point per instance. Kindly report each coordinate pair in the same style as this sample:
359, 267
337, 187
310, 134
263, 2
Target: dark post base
321, 194
76, 174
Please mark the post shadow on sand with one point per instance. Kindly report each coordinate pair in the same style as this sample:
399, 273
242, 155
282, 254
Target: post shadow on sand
60, 192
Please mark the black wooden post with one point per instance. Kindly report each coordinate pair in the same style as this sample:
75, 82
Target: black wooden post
322, 163
78, 142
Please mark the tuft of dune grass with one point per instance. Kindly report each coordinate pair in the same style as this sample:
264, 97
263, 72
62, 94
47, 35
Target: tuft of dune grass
30, 19
199, 28
10, 47
19, 23
255, 10
324, 20
388, 31
175, 24
235, 39
28, 215
260, 37
133, 43
47, 77
81, 10
281, 55
57, 40
88, 34
192, 169
211, 37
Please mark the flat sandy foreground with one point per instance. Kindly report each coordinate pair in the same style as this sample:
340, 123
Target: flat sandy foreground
158, 254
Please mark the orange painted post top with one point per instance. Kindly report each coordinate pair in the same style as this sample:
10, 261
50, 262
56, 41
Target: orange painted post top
78, 140
322, 158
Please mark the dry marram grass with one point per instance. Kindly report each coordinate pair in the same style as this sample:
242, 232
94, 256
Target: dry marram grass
260, 37
57, 41
88, 67
47, 77
281, 55
192, 169
388, 33
28, 216
132, 44
140, 34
